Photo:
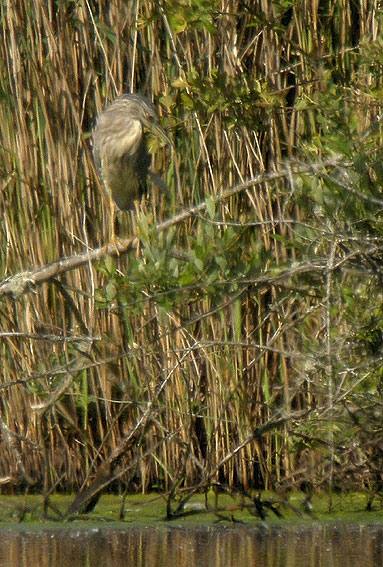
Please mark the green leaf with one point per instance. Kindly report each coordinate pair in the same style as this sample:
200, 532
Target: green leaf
210, 207
110, 290
187, 276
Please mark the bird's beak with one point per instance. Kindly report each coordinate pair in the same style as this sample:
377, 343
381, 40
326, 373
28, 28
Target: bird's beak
157, 130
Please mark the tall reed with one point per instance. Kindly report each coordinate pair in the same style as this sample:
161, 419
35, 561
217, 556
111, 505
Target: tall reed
241, 87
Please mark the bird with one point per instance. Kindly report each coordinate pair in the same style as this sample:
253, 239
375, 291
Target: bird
120, 150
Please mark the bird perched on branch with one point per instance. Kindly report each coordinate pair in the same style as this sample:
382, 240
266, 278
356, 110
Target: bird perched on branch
119, 147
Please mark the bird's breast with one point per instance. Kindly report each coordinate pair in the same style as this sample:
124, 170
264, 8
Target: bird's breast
123, 140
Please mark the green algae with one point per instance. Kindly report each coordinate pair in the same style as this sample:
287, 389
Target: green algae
150, 510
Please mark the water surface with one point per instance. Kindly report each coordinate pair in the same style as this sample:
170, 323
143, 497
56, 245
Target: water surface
316, 545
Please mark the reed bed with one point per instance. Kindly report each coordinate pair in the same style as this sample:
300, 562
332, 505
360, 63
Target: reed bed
177, 353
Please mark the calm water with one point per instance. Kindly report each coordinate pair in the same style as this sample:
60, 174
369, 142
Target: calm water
311, 546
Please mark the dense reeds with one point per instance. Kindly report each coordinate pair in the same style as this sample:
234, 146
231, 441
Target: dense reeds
173, 356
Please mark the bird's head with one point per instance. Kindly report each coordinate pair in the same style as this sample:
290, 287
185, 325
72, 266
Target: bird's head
141, 109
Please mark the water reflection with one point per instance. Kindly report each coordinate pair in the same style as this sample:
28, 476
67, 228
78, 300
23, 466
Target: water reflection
311, 546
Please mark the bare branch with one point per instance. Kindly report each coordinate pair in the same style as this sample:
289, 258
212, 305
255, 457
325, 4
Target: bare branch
21, 283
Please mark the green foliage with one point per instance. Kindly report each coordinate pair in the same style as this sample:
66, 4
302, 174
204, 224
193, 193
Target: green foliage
208, 268
188, 15
237, 101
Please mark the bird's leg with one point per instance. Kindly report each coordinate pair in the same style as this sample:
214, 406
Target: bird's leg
135, 216
112, 220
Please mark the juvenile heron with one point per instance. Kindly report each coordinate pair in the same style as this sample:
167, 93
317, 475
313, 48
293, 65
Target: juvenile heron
120, 150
